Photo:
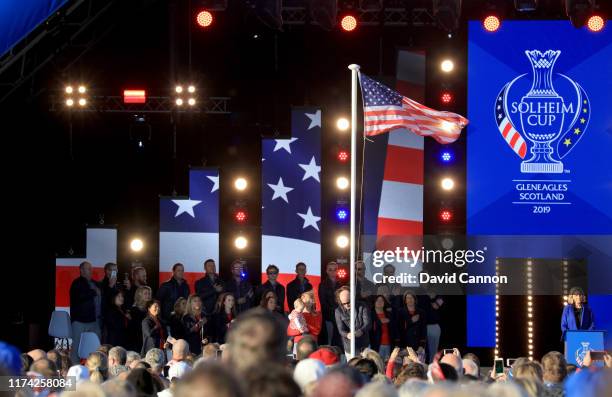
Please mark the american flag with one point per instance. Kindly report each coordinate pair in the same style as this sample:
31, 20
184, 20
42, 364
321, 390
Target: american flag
504, 125
291, 198
386, 110
189, 226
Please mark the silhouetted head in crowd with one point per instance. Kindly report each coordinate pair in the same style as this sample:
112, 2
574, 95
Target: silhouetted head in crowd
45, 367
37, 354
410, 371
105, 348
144, 382
554, 367
528, 370
156, 359
26, 362
374, 356
305, 347
532, 387
180, 350
589, 384
300, 270
331, 270
271, 380
97, 364
210, 379
255, 337
339, 382
131, 357
366, 367
377, 389
454, 361
142, 296
85, 270
139, 274
117, 356
178, 271
118, 388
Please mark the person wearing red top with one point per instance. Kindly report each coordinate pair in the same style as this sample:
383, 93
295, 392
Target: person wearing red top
383, 334
313, 318
153, 333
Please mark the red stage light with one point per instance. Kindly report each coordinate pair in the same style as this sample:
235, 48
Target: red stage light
491, 23
446, 97
343, 156
341, 274
240, 216
134, 96
446, 215
205, 18
348, 23
595, 23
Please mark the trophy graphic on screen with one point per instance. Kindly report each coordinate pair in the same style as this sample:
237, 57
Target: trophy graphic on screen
542, 114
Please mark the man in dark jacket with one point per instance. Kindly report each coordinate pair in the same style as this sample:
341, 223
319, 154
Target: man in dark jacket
109, 287
240, 287
210, 286
171, 290
327, 291
274, 286
343, 321
85, 307
298, 286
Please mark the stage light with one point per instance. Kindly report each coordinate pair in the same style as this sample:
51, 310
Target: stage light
342, 274
179, 102
342, 214
343, 156
447, 243
446, 156
595, 23
82, 89
82, 102
240, 184
491, 23
204, 18
342, 183
241, 216
446, 97
342, 241
134, 96
241, 242
447, 66
343, 124
446, 215
136, 245
191, 101
178, 89
69, 102
191, 89
447, 184
348, 23
69, 89
447, 126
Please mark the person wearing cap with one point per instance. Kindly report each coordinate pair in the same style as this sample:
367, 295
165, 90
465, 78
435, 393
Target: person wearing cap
326, 356
577, 314
308, 371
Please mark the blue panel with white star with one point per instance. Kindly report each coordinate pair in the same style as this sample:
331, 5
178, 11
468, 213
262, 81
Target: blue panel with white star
291, 176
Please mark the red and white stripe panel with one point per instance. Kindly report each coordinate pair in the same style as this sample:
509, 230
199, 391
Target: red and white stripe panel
101, 248
513, 138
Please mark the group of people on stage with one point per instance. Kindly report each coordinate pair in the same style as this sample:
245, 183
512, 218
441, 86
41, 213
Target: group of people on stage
127, 314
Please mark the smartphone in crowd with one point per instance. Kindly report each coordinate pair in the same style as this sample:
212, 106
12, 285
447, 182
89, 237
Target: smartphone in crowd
166, 370
597, 355
499, 366
113, 274
448, 351
510, 362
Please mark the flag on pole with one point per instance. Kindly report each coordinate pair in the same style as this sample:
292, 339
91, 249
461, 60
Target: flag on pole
386, 110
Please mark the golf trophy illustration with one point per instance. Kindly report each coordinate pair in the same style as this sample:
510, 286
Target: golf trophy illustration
541, 114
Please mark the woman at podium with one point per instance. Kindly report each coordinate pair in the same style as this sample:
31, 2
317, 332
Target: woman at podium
577, 315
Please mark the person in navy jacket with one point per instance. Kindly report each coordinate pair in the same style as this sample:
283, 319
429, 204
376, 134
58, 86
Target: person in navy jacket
577, 314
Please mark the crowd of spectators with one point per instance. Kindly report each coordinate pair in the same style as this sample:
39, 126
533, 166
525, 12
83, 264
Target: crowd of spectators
219, 341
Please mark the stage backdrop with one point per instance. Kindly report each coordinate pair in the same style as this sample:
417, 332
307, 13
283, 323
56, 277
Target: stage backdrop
539, 139
189, 226
291, 199
100, 248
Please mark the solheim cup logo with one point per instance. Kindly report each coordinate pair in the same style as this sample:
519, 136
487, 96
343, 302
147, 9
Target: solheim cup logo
547, 120
582, 351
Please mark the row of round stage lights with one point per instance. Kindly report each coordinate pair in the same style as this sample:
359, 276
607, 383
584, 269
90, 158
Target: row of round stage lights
75, 95
492, 23
447, 183
240, 214
185, 95
342, 182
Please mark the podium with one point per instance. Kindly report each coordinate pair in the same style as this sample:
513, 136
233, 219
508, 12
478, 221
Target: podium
578, 342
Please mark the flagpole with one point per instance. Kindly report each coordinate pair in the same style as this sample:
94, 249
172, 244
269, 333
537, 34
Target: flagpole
354, 75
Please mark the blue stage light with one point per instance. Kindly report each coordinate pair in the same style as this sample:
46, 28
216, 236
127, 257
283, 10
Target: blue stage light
342, 214
446, 156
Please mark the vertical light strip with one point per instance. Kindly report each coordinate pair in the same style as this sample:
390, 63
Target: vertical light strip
530, 309
496, 310
565, 286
